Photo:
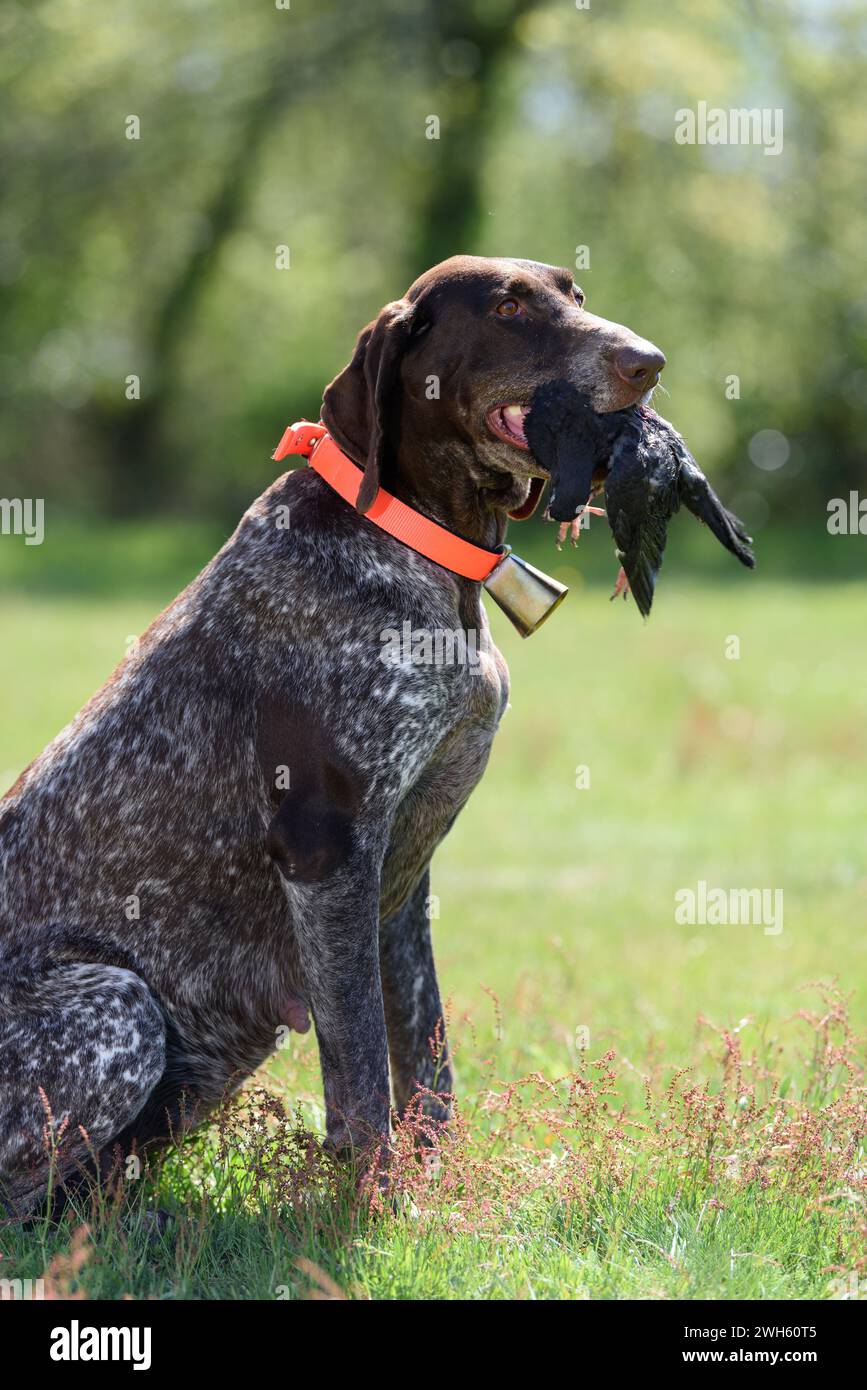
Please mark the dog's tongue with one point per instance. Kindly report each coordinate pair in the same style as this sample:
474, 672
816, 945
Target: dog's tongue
527, 508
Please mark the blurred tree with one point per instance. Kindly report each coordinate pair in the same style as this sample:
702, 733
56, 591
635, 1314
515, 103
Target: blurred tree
469, 45
130, 440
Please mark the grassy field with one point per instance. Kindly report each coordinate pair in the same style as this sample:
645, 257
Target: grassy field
636, 761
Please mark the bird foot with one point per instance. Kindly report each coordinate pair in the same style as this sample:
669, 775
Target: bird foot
573, 528
621, 585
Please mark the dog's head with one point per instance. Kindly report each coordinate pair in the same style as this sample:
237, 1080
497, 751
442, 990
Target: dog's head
443, 378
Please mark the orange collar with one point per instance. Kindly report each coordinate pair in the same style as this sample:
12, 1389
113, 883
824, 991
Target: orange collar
388, 512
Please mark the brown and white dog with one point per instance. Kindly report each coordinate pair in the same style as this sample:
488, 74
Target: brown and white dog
238, 827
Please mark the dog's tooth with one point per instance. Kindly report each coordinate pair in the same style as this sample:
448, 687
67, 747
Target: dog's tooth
514, 412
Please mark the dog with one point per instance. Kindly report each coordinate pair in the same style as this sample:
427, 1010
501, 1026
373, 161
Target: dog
236, 831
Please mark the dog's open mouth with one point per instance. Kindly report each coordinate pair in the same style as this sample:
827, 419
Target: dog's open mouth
507, 423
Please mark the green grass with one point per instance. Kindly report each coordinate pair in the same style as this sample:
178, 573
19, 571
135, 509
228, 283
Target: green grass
543, 1252
556, 912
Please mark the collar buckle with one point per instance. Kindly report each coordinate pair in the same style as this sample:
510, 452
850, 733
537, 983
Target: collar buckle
300, 438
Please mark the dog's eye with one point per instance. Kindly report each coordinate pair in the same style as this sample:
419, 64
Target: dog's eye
509, 308
579, 294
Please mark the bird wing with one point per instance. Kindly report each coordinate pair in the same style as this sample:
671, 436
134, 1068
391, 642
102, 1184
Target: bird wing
640, 497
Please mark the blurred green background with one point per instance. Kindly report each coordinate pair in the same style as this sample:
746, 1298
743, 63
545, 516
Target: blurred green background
306, 127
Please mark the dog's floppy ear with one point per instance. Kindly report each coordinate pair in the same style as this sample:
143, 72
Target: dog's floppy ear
357, 403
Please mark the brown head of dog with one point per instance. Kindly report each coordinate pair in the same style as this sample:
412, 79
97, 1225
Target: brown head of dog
432, 404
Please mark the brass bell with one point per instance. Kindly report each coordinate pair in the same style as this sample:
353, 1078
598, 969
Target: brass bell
525, 594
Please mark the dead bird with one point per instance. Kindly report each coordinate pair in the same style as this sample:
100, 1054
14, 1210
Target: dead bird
646, 471
573, 444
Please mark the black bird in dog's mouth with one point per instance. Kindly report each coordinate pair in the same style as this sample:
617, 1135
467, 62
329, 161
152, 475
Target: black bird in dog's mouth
645, 469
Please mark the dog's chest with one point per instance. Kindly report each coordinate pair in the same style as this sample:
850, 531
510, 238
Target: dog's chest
436, 689
439, 764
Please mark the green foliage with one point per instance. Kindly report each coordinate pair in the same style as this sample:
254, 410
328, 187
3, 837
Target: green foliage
263, 127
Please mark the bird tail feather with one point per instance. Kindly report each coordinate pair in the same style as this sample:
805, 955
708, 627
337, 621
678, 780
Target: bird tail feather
699, 497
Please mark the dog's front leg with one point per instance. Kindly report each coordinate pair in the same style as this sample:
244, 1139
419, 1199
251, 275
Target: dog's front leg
414, 1013
337, 930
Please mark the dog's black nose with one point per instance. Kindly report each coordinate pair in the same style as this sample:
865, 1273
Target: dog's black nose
639, 362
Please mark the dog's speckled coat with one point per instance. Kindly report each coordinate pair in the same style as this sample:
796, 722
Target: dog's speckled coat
167, 905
